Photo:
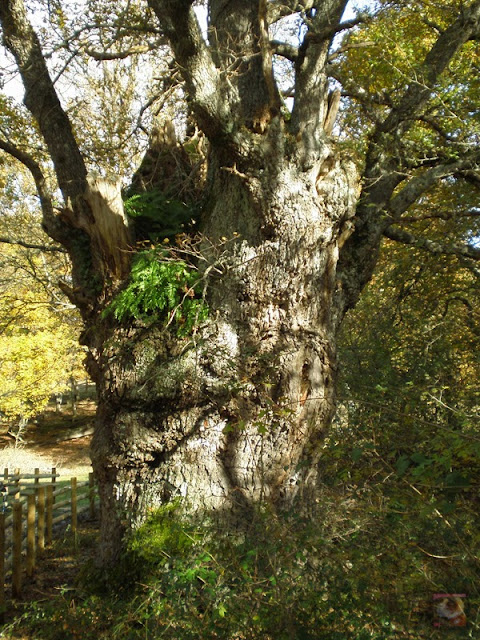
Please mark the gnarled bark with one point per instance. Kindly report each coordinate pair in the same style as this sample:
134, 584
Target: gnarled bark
238, 412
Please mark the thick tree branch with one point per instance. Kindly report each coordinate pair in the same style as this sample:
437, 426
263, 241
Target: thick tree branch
279, 9
94, 212
330, 28
420, 184
311, 84
384, 166
180, 25
41, 98
284, 49
375, 213
53, 224
438, 248
438, 58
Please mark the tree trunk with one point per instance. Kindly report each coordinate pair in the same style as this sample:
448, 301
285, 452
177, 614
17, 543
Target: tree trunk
235, 414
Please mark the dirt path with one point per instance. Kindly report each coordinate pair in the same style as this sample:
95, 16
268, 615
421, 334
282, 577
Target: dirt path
71, 458
49, 444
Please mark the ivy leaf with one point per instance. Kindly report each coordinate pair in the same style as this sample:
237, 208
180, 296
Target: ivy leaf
456, 480
402, 465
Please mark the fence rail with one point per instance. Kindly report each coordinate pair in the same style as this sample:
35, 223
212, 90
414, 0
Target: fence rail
35, 510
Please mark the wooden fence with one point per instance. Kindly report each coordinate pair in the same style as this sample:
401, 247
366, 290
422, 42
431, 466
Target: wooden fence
32, 505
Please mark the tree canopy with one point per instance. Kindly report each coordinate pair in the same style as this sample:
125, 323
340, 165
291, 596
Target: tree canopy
407, 73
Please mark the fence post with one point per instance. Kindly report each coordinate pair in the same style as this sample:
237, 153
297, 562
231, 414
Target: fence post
54, 482
17, 482
91, 494
17, 550
41, 519
49, 514
37, 480
30, 534
73, 483
2, 567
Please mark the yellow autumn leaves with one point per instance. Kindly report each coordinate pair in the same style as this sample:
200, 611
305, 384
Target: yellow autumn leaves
38, 352
38, 327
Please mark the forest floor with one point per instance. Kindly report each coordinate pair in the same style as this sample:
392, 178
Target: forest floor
54, 442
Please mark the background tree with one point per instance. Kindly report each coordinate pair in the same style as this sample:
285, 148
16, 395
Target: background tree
39, 327
234, 409
409, 376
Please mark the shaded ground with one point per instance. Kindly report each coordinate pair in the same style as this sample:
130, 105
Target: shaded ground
56, 576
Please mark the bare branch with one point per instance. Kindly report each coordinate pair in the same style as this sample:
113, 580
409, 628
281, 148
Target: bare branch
440, 215
349, 47
438, 248
30, 245
125, 53
359, 94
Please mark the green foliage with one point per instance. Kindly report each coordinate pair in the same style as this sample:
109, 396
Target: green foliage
280, 578
157, 217
37, 354
161, 289
160, 537
379, 60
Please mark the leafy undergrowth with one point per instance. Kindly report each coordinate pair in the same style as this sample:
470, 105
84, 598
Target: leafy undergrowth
391, 527
365, 566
